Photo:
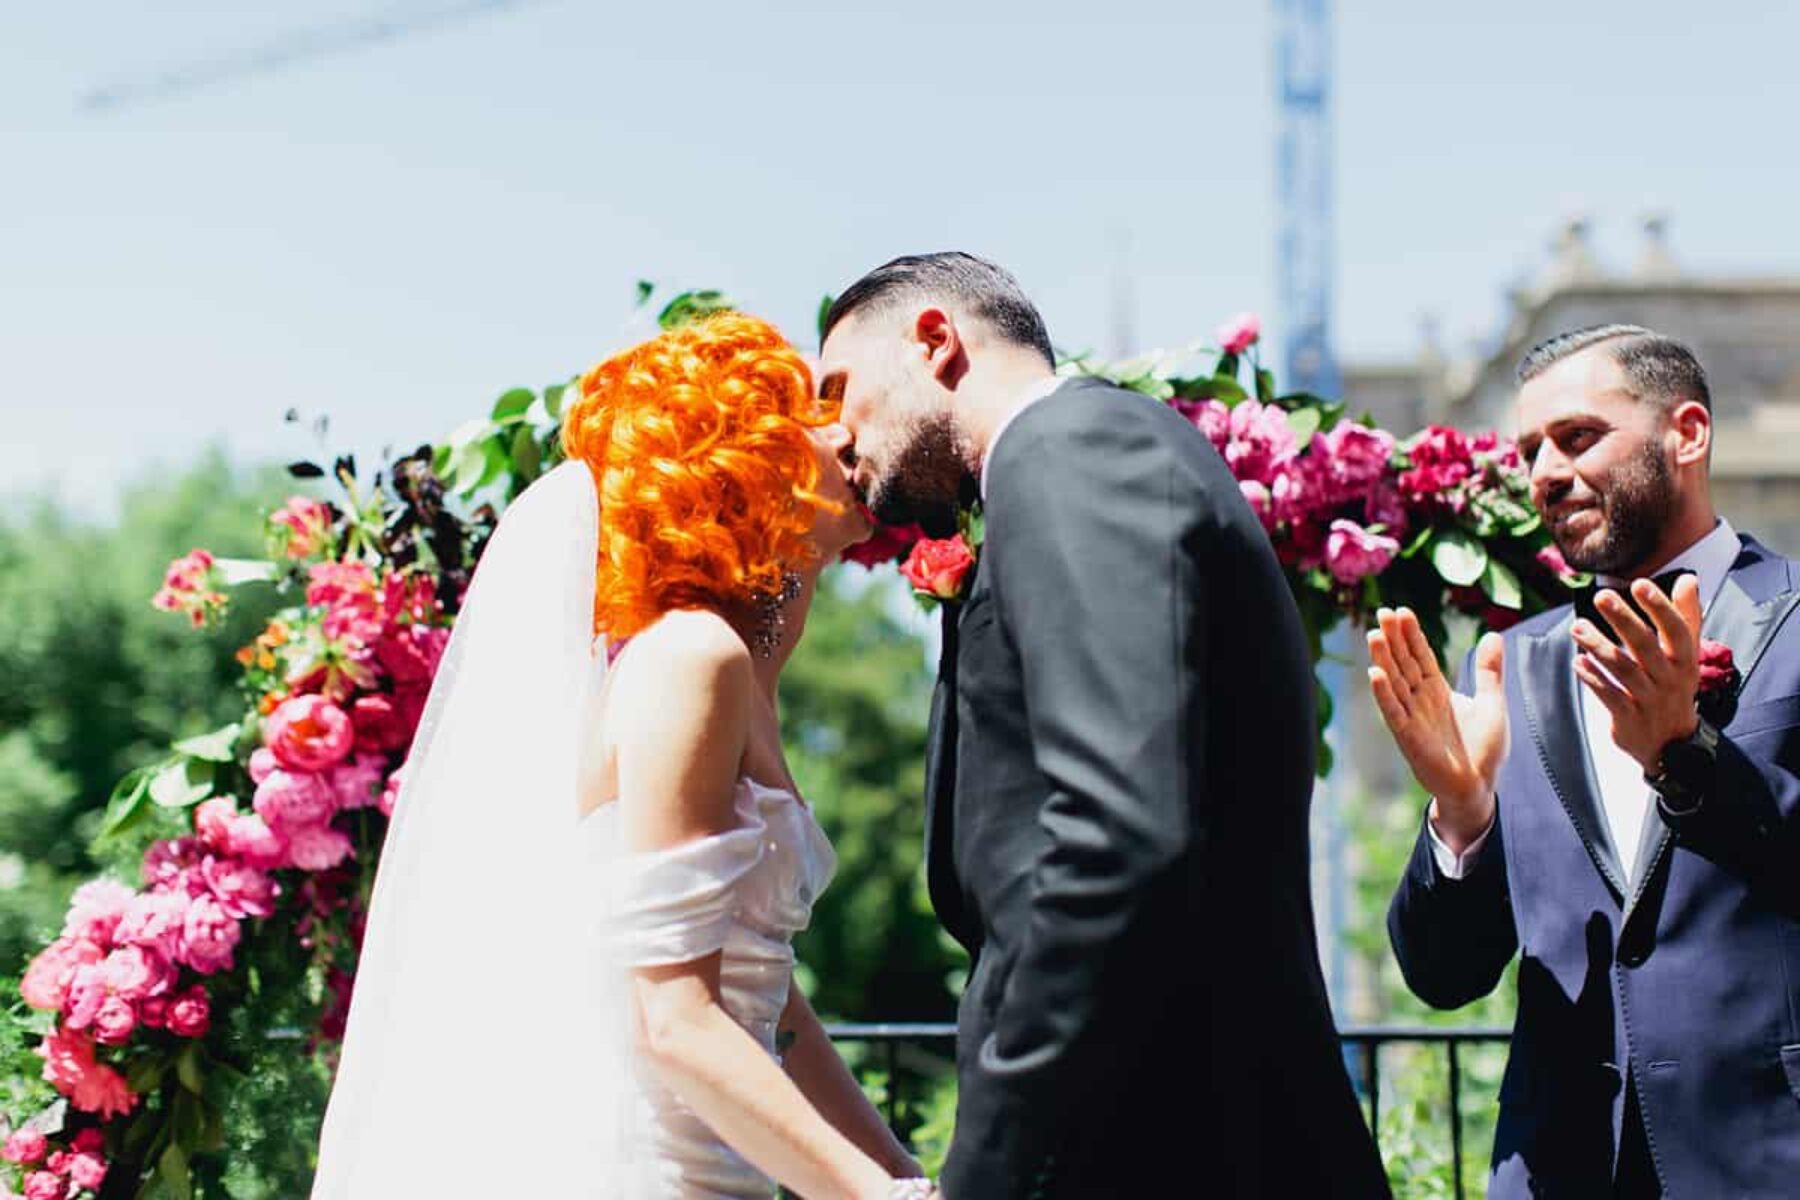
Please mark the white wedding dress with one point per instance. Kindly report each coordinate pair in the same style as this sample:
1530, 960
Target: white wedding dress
745, 892
489, 1047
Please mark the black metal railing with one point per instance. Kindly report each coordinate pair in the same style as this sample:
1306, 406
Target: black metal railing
893, 1044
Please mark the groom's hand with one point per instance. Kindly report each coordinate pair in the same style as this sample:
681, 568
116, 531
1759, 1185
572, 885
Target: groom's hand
1454, 744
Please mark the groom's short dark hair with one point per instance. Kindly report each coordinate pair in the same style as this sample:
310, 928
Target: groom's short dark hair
972, 283
1658, 368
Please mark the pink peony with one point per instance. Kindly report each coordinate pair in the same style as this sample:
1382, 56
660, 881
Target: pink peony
1552, 560
137, 973
87, 1170
95, 909
1356, 457
251, 839
24, 1146
1261, 441
154, 919
209, 936
43, 1185
58, 1162
1261, 503
1208, 416
1353, 553
190, 1014
88, 1141
262, 762
357, 782
91, 1086
309, 733
47, 980
167, 863
87, 992
212, 822
1385, 508
290, 799
1297, 491
889, 543
1441, 460
1240, 333
317, 848
241, 890
115, 1021
306, 521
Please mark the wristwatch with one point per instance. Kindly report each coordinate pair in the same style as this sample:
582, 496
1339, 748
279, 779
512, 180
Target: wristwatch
1685, 772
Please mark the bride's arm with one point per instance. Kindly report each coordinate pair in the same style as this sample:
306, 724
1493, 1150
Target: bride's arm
816, 1067
678, 712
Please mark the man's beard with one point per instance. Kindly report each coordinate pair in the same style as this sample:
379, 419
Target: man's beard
1635, 505
929, 480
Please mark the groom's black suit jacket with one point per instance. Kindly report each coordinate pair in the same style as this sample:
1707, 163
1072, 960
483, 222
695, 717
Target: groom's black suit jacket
1120, 769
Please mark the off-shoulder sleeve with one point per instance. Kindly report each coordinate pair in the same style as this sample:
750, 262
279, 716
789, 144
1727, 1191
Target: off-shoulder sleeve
677, 905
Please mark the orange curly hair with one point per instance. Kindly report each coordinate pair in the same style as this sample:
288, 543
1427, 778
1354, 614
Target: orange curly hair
707, 479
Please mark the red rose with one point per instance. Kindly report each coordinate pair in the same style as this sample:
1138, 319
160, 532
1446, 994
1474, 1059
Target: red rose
937, 566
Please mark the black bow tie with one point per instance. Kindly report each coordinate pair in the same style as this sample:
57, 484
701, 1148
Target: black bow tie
1585, 607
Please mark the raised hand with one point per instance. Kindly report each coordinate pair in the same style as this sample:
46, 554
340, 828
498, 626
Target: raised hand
1454, 744
1649, 680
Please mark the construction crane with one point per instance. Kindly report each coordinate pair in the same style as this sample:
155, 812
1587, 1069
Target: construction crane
295, 46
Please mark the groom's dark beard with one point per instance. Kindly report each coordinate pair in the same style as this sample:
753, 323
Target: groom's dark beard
930, 480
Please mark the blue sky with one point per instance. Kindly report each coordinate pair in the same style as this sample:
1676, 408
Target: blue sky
395, 234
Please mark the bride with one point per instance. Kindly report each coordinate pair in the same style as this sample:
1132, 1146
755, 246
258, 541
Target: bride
577, 977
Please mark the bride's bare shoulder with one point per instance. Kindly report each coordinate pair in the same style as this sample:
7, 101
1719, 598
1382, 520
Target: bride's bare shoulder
686, 648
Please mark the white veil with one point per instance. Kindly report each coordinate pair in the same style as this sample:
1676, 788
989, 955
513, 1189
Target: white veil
484, 1052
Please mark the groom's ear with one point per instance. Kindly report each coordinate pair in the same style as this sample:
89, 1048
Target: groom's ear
937, 338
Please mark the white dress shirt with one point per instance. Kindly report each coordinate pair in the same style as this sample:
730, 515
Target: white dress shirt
1624, 797
1037, 391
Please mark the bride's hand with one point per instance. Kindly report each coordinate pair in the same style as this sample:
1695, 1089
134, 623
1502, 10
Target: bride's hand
1454, 744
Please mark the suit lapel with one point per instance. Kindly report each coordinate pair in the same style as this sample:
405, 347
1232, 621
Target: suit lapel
1748, 625
1553, 710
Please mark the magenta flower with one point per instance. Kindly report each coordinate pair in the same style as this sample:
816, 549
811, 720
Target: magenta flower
306, 522
44, 1185
1208, 416
1240, 333
24, 1146
1352, 553
241, 890
155, 919
114, 1021
51, 974
190, 1014
1357, 457
87, 1170
357, 783
309, 733
95, 909
1260, 501
209, 936
390, 795
212, 823
317, 847
1261, 441
137, 973
251, 839
290, 799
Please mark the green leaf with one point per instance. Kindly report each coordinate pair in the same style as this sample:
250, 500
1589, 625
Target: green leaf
553, 400
469, 432
182, 783
1219, 387
236, 571
1418, 542
645, 290
1459, 558
172, 1168
216, 746
1304, 422
143, 1073
467, 464
525, 458
187, 1069
496, 457
125, 807
1265, 385
1502, 585
824, 311
1227, 368
691, 306
511, 405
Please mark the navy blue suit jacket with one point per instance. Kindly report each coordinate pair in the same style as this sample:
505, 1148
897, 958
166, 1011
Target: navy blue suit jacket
1683, 982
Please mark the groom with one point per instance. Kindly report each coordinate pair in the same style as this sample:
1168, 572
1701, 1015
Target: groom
1120, 771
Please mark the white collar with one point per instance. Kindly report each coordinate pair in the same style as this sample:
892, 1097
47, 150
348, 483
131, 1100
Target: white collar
1710, 559
1037, 391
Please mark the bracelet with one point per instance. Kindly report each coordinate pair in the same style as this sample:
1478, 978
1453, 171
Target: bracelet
911, 1189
